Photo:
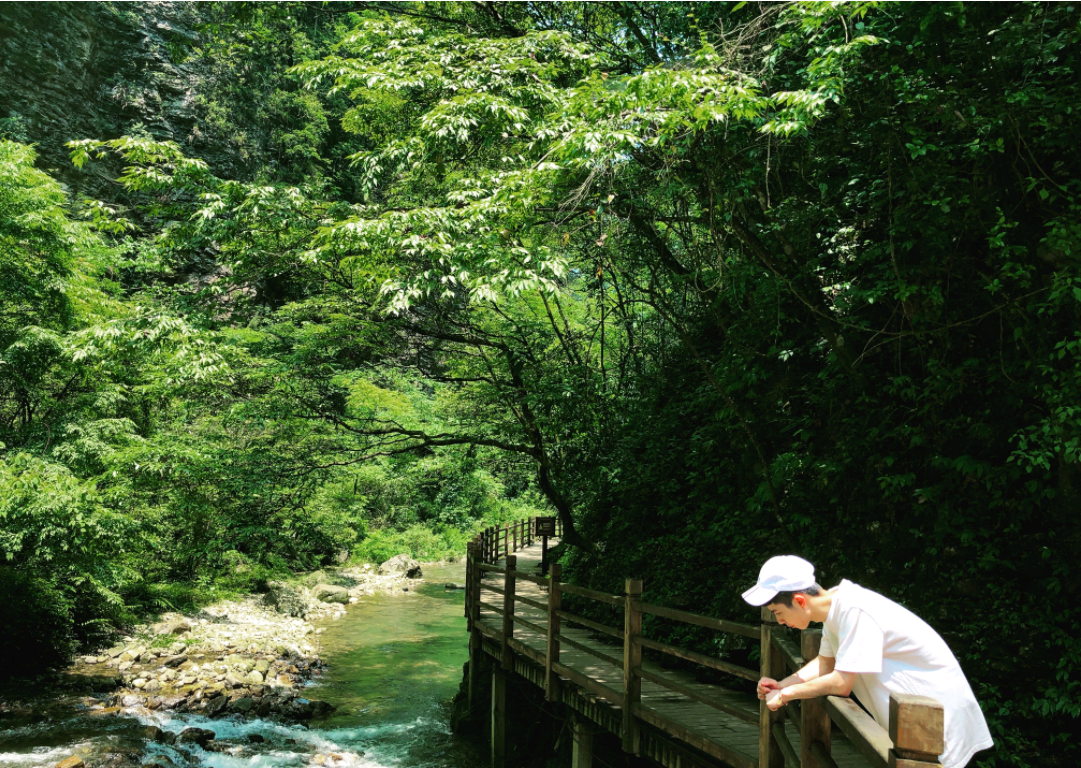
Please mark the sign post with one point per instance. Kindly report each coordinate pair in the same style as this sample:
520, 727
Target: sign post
546, 526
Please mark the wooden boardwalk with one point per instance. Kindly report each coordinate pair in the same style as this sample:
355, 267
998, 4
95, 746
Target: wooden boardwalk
672, 717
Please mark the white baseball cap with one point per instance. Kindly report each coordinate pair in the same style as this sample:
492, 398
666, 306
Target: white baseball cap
785, 573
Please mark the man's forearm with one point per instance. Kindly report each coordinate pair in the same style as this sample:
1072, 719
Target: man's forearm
831, 684
807, 672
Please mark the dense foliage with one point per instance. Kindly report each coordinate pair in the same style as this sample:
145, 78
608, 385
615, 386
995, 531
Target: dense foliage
712, 281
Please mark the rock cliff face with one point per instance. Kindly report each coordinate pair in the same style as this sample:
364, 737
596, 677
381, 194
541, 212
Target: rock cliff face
97, 70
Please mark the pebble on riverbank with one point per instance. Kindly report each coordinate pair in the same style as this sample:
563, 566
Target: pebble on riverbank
246, 656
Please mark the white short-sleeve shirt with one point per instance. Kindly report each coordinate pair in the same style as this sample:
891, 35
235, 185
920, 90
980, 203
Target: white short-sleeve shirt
892, 649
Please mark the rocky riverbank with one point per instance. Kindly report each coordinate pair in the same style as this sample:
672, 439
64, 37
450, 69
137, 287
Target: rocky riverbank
251, 655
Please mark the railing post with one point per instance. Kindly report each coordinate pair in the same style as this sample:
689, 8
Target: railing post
814, 719
499, 718
916, 730
582, 744
474, 589
772, 666
632, 662
472, 609
468, 583
506, 539
508, 611
555, 603
514, 537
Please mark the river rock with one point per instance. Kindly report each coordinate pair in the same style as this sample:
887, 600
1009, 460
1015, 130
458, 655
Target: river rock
286, 600
200, 736
328, 593
71, 762
313, 578
242, 705
451, 585
401, 565
253, 678
154, 734
172, 627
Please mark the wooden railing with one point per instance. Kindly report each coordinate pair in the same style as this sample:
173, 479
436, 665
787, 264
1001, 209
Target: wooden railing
915, 736
496, 542
914, 739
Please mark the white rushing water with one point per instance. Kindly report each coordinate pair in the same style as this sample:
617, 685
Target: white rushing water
394, 664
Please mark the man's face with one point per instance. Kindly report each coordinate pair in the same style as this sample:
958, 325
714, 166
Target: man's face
797, 617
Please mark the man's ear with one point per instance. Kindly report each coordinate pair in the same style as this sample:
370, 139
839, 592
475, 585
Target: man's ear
800, 600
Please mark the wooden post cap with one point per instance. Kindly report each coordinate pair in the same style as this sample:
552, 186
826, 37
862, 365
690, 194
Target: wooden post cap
810, 643
916, 725
767, 616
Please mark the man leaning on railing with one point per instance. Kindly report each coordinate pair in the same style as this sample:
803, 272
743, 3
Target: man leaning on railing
871, 646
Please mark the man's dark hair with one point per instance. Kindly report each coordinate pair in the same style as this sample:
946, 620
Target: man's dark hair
785, 598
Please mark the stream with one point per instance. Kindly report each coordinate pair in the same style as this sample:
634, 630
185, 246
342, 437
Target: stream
395, 662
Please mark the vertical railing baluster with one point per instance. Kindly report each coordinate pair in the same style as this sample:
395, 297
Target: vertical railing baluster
508, 611
814, 719
632, 662
551, 656
772, 666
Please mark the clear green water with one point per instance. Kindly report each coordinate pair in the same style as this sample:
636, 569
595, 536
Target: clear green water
395, 664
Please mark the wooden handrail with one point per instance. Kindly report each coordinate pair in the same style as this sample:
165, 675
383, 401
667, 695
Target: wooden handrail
690, 693
866, 735
593, 594
721, 625
700, 658
604, 630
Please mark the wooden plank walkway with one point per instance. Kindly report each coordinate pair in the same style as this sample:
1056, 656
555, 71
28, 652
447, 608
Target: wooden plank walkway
725, 737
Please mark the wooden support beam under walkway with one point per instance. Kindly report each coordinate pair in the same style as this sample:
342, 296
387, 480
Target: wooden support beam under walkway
609, 677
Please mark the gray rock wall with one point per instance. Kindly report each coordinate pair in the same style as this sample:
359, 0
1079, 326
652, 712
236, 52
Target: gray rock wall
97, 70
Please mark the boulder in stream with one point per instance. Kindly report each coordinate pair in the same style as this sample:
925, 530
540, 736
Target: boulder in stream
286, 601
173, 627
200, 736
328, 593
401, 565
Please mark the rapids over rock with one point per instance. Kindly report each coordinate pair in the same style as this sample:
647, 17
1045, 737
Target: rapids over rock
393, 664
